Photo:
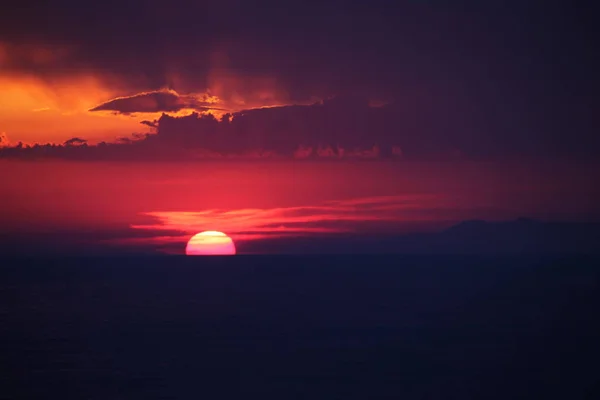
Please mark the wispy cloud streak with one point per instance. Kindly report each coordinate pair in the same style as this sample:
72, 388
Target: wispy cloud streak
354, 216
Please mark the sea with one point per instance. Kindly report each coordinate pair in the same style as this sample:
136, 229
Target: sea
300, 327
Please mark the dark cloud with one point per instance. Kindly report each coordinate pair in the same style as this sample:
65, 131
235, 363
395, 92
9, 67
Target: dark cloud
4, 142
27, 55
502, 76
151, 124
337, 128
345, 122
75, 142
315, 48
158, 101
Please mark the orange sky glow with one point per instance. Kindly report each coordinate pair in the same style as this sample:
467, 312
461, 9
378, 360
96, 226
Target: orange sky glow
42, 108
36, 111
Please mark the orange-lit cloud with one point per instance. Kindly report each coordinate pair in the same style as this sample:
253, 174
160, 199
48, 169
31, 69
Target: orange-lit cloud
226, 92
159, 101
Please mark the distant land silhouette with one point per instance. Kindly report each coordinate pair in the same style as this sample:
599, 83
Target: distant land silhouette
517, 237
520, 236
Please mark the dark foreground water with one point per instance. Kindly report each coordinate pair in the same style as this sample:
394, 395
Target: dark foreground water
299, 328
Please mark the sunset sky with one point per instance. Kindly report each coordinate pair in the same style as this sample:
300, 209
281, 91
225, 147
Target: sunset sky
137, 124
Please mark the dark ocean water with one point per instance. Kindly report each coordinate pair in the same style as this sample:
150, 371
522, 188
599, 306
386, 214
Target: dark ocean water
299, 328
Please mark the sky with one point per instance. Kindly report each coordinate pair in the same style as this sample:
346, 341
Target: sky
99, 207
326, 117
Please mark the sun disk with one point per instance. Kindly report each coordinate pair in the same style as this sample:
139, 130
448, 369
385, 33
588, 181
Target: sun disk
209, 243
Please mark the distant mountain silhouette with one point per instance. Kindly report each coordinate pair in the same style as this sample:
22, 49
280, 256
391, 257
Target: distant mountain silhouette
481, 228
474, 237
523, 235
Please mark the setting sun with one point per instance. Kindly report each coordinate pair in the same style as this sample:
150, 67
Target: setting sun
210, 243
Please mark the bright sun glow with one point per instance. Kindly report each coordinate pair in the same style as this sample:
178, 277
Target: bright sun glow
210, 243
